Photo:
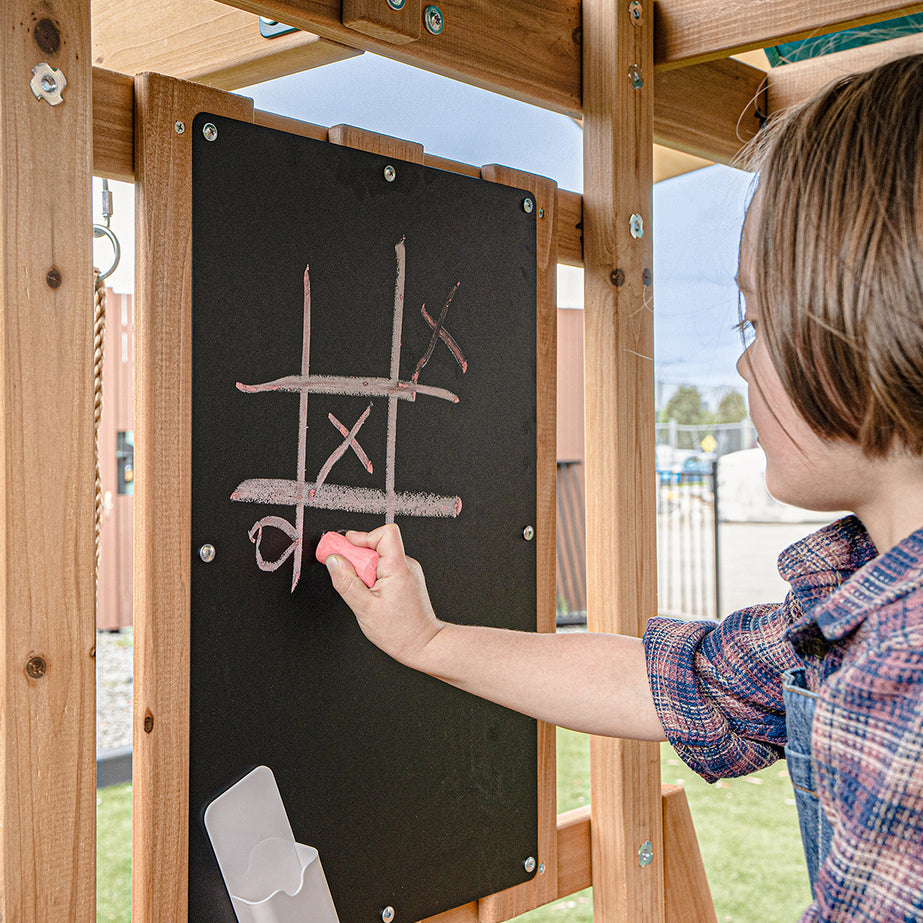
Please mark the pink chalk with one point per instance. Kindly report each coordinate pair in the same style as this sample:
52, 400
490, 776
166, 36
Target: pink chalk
365, 560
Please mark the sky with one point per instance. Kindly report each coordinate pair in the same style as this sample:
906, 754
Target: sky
696, 219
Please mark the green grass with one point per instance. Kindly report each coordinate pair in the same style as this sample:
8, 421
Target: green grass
747, 830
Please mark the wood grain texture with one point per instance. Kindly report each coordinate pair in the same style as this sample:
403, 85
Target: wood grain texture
795, 82
113, 125
374, 143
544, 885
709, 109
379, 20
575, 852
47, 619
163, 391
619, 385
688, 31
528, 49
201, 40
688, 897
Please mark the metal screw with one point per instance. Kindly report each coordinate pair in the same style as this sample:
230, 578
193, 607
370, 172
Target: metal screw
636, 12
390, 174
148, 723
210, 131
530, 864
387, 915
636, 226
396, 4
634, 75
528, 533
645, 854
36, 667
53, 277
207, 553
541, 213
646, 277
47, 83
527, 206
433, 20
541, 868
179, 127
617, 277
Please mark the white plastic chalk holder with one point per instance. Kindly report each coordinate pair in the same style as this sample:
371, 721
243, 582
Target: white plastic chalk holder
270, 878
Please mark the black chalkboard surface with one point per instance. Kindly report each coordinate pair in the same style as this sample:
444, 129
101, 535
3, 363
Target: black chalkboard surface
363, 349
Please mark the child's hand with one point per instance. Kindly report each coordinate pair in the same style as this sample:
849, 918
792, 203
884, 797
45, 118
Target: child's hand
395, 614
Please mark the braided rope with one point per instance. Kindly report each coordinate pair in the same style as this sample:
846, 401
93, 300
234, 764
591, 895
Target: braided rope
99, 335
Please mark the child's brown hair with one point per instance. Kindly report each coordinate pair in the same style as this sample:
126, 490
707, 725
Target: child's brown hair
838, 256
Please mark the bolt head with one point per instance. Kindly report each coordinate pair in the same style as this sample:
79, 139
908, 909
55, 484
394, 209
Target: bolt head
210, 131
636, 12
390, 174
387, 915
179, 127
634, 75
207, 553
396, 4
645, 853
528, 533
528, 206
433, 20
36, 667
636, 226
530, 864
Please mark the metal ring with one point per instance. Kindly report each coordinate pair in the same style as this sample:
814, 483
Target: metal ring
100, 230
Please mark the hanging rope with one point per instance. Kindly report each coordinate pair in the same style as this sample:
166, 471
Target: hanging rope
99, 340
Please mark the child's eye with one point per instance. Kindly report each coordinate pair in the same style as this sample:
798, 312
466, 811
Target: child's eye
747, 331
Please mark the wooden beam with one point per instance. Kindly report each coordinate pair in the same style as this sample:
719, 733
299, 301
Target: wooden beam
47, 618
201, 40
528, 49
793, 83
113, 125
709, 109
163, 460
686, 892
688, 31
619, 384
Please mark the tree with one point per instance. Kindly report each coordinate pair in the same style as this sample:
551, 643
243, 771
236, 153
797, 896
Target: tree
732, 408
685, 406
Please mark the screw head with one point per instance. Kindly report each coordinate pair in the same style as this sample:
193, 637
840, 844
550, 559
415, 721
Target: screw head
210, 131
528, 206
636, 12
636, 226
528, 533
387, 915
53, 277
646, 277
433, 20
36, 667
179, 127
396, 4
390, 174
530, 864
617, 277
645, 854
634, 75
207, 553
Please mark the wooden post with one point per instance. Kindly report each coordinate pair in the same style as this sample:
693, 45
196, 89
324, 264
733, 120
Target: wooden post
621, 567
47, 627
165, 109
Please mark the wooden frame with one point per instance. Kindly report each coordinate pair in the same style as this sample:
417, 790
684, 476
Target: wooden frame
533, 49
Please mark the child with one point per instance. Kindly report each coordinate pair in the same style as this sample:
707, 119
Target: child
831, 271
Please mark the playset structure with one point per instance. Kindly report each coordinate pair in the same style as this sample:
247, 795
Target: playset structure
113, 91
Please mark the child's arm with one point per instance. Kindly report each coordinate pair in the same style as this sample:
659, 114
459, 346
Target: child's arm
588, 682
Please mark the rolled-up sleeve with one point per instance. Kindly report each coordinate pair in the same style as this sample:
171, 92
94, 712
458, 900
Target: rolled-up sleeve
717, 687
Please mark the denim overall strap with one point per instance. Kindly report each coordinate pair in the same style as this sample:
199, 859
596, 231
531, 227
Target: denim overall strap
816, 832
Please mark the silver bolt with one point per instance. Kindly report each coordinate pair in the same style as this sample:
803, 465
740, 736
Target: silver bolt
433, 20
645, 854
207, 553
541, 213
527, 206
636, 12
636, 226
528, 533
634, 75
530, 864
390, 174
47, 83
541, 868
179, 127
396, 4
210, 131
387, 915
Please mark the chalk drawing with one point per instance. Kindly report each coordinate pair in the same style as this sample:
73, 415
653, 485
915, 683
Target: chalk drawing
320, 493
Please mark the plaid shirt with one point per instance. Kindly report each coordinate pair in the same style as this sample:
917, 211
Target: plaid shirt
855, 622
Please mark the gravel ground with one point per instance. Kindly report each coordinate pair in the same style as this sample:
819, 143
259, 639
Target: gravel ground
114, 652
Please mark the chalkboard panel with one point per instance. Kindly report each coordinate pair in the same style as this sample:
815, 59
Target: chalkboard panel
363, 349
